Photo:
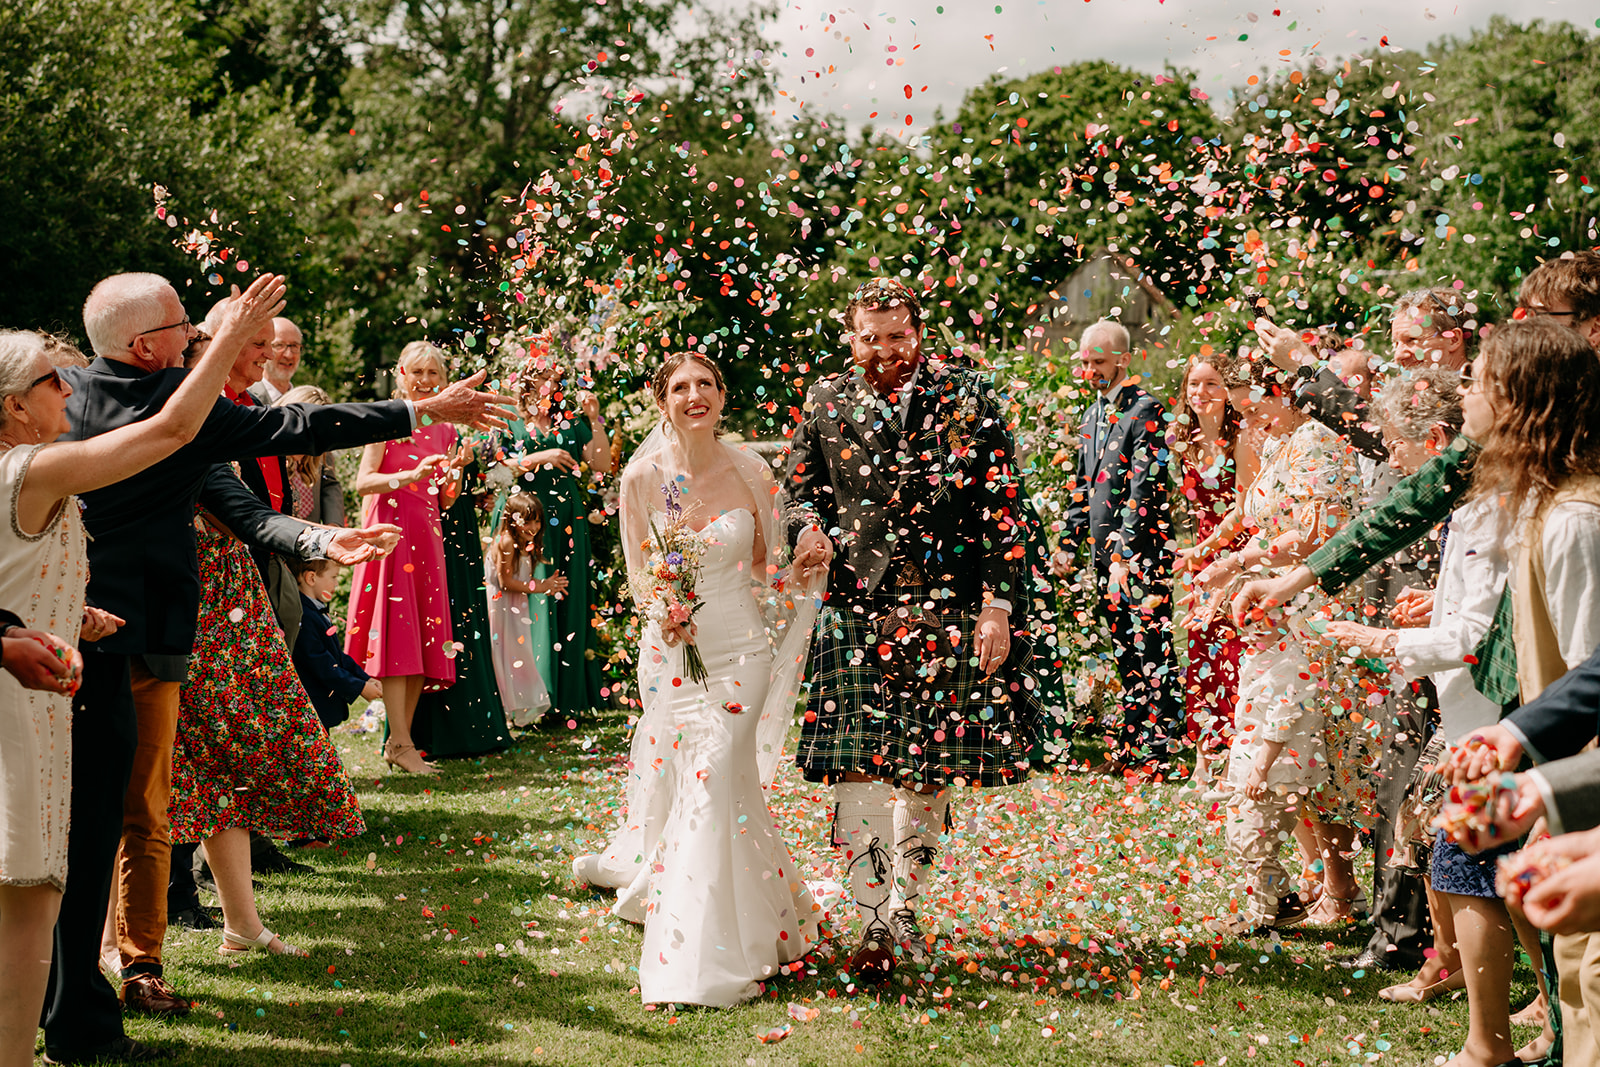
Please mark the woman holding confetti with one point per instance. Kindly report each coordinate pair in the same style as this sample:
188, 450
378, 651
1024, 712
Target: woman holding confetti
399, 626
1218, 465
698, 859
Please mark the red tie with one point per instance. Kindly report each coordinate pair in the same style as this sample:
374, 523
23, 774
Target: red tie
270, 469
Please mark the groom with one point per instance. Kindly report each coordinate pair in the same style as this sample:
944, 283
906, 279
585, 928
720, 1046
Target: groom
902, 481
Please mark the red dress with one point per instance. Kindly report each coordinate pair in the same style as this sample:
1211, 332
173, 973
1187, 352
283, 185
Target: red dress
250, 751
399, 620
1211, 683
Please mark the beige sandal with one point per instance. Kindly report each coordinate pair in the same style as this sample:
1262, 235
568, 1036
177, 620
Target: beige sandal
262, 941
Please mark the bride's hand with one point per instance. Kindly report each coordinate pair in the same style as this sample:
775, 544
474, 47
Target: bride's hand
674, 633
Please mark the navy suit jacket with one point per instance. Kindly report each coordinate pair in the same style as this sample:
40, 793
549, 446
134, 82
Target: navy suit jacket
332, 679
1118, 494
1565, 717
142, 562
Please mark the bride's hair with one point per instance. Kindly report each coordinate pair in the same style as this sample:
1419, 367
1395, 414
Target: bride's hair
669, 367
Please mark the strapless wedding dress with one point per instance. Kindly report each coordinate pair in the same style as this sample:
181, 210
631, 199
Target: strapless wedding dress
697, 858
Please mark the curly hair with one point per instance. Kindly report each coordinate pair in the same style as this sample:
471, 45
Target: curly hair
1545, 380
879, 293
1574, 280
1417, 402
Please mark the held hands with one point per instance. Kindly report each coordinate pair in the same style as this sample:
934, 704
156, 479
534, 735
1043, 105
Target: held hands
247, 312
461, 402
361, 545
98, 623
1370, 640
1556, 882
1485, 751
813, 554
42, 661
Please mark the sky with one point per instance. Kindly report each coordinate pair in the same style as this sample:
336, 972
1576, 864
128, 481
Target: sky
850, 61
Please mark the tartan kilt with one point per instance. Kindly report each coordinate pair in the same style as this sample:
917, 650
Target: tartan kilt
958, 729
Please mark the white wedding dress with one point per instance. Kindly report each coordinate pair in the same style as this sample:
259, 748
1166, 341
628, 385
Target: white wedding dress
698, 859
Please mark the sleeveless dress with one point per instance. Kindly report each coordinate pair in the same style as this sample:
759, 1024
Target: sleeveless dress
1211, 682
514, 651
42, 578
399, 619
250, 751
701, 864
574, 673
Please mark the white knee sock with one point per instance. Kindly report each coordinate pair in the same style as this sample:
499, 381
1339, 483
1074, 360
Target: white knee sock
866, 831
918, 824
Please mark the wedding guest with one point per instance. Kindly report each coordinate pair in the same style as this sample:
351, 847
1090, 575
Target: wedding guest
278, 376
45, 569
399, 617
1217, 466
1303, 492
144, 570
515, 552
561, 431
466, 719
331, 678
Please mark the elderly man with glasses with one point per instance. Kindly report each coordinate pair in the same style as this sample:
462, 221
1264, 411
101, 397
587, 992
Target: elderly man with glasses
143, 568
284, 359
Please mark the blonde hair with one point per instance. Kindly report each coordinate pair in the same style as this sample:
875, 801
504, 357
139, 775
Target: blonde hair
411, 355
308, 467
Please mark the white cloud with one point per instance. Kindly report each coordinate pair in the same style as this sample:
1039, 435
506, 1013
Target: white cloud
943, 48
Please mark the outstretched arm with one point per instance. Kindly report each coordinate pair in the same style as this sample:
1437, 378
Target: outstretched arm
66, 468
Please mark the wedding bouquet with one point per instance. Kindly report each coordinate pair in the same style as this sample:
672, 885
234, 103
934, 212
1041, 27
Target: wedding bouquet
673, 563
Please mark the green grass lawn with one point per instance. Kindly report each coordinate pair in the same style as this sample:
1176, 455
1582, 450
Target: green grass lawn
453, 932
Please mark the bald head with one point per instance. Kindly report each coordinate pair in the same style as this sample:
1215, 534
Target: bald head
287, 343
1103, 354
122, 307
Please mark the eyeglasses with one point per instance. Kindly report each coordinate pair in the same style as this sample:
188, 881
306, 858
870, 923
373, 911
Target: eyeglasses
184, 322
53, 377
281, 346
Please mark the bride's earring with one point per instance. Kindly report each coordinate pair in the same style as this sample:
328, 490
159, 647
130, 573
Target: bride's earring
666, 429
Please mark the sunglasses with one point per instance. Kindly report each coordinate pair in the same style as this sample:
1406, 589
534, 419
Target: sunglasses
53, 377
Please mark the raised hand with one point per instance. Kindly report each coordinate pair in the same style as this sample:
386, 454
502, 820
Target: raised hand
462, 402
247, 312
1283, 347
1262, 594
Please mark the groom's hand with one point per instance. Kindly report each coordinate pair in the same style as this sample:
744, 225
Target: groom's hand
993, 638
813, 551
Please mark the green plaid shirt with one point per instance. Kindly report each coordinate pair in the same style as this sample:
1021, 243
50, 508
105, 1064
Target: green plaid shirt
1414, 506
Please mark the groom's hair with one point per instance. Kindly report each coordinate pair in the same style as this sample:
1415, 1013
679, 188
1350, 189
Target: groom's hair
882, 292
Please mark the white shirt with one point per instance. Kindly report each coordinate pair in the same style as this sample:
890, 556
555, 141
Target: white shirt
1472, 579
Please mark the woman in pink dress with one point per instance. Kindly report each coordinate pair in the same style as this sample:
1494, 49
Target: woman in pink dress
399, 622
1217, 466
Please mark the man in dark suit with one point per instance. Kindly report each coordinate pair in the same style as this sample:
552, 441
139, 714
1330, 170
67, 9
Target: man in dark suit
902, 479
143, 568
1119, 508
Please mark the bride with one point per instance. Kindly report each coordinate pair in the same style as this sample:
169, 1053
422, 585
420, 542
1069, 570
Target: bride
697, 858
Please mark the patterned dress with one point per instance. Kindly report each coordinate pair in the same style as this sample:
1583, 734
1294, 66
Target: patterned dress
1310, 479
42, 580
250, 750
1211, 682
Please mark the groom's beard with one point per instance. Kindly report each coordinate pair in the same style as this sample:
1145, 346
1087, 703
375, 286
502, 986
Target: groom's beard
891, 375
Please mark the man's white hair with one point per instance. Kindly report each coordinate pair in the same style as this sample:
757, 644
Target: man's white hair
120, 308
1107, 334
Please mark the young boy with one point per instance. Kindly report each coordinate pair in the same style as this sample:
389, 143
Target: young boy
332, 679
